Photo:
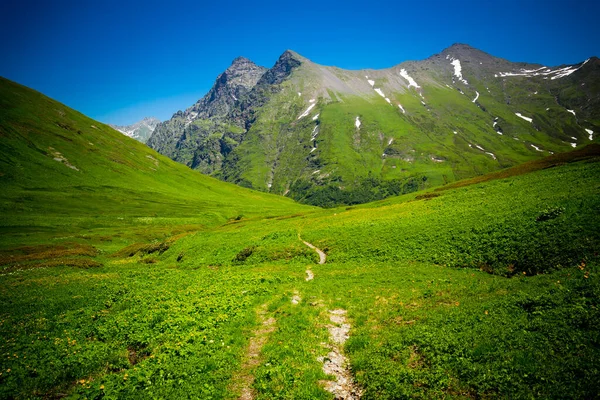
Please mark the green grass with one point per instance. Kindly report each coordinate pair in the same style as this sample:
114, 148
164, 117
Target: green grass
420, 328
119, 184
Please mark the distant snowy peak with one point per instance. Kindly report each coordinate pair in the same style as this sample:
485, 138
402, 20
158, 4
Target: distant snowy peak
139, 131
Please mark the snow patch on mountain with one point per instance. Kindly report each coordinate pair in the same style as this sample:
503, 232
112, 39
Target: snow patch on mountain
305, 113
591, 133
379, 92
535, 147
357, 123
572, 112
530, 120
411, 81
402, 108
543, 71
476, 97
315, 132
561, 73
486, 152
458, 70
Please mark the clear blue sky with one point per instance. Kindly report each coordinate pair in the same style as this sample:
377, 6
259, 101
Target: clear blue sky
118, 61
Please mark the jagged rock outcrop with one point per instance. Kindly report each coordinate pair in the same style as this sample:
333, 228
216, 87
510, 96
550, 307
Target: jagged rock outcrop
204, 134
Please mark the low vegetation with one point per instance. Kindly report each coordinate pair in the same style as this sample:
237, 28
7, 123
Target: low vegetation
487, 290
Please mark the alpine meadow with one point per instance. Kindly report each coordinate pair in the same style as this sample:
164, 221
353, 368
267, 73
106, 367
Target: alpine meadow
427, 231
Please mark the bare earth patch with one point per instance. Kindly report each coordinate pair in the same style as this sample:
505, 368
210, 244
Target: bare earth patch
243, 380
322, 255
296, 298
309, 275
336, 364
61, 159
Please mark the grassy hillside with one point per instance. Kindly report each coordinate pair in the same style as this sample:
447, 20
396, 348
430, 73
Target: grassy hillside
484, 290
61, 172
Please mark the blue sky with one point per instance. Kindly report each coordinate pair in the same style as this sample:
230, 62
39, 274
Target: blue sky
118, 61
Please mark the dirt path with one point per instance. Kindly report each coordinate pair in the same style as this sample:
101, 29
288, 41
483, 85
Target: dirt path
322, 255
243, 380
309, 275
336, 364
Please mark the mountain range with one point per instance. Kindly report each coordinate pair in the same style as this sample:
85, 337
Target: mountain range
326, 136
125, 274
141, 130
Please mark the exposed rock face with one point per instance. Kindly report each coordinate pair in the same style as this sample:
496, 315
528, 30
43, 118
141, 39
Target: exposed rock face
204, 134
230, 86
282, 68
293, 129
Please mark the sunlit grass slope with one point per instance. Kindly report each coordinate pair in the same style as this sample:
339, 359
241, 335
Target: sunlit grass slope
60, 170
488, 290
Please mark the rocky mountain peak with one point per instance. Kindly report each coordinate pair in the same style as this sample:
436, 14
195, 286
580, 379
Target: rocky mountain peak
238, 79
241, 65
284, 66
465, 52
151, 121
241, 60
242, 72
461, 47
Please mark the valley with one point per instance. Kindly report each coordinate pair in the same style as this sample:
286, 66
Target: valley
124, 274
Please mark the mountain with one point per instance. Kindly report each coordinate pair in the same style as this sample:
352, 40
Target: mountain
140, 131
56, 162
203, 135
327, 136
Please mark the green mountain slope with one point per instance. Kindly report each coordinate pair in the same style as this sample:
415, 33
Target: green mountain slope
327, 136
56, 162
